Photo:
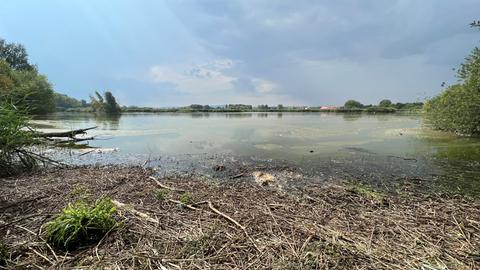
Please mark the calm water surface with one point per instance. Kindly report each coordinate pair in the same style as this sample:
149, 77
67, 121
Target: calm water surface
381, 141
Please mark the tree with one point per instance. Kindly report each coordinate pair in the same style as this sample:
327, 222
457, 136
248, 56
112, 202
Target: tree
111, 105
385, 103
353, 104
105, 104
16, 55
26, 89
65, 102
457, 108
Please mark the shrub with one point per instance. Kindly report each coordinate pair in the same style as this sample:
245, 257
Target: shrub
457, 109
15, 139
81, 224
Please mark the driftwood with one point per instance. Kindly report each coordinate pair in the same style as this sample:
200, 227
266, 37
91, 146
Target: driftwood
65, 137
65, 134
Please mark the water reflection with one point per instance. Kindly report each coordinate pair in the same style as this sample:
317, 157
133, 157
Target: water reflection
110, 122
200, 115
351, 116
238, 115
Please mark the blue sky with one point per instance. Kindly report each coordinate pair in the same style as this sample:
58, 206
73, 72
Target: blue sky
178, 52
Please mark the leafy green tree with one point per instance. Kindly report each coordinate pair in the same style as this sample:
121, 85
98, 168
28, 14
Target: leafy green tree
353, 104
111, 105
26, 89
16, 55
457, 108
105, 104
385, 103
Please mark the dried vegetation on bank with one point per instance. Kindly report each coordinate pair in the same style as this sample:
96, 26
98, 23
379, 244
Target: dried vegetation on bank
193, 223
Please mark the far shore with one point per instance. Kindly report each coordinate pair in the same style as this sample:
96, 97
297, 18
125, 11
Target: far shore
180, 110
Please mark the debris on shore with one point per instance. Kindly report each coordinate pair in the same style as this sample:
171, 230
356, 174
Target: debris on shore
220, 224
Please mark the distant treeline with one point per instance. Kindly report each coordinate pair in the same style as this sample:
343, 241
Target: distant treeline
357, 108
350, 106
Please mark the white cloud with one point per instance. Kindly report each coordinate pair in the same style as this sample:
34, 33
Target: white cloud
263, 86
205, 77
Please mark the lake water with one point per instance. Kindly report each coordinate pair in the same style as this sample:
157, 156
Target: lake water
389, 143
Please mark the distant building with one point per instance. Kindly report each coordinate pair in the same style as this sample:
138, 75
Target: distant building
328, 108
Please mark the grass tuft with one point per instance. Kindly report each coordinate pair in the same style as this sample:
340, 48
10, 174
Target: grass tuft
81, 224
367, 191
186, 198
3, 253
161, 194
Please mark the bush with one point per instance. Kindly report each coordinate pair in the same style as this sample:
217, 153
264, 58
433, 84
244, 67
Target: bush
457, 109
81, 224
16, 137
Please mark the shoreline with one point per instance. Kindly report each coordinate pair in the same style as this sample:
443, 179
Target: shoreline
343, 225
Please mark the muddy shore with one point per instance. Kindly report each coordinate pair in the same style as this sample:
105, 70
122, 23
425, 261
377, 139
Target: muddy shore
239, 224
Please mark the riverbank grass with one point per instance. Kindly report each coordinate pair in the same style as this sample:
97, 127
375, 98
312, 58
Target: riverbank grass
81, 224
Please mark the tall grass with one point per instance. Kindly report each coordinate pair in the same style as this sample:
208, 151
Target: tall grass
81, 224
16, 137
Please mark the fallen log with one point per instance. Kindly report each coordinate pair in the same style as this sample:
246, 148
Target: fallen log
64, 134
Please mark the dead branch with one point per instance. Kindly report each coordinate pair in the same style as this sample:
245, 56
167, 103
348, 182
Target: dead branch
164, 186
65, 134
135, 212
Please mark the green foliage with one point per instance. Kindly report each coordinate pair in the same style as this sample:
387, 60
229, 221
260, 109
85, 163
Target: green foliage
15, 139
457, 108
20, 81
186, 198
161, 194
111, 105
385, 103
105, 104
15, 55
470, 69
26, 89
65, 102
81, 224
350, 104
366, 191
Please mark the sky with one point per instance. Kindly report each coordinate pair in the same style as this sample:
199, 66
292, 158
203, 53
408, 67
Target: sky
181, 52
